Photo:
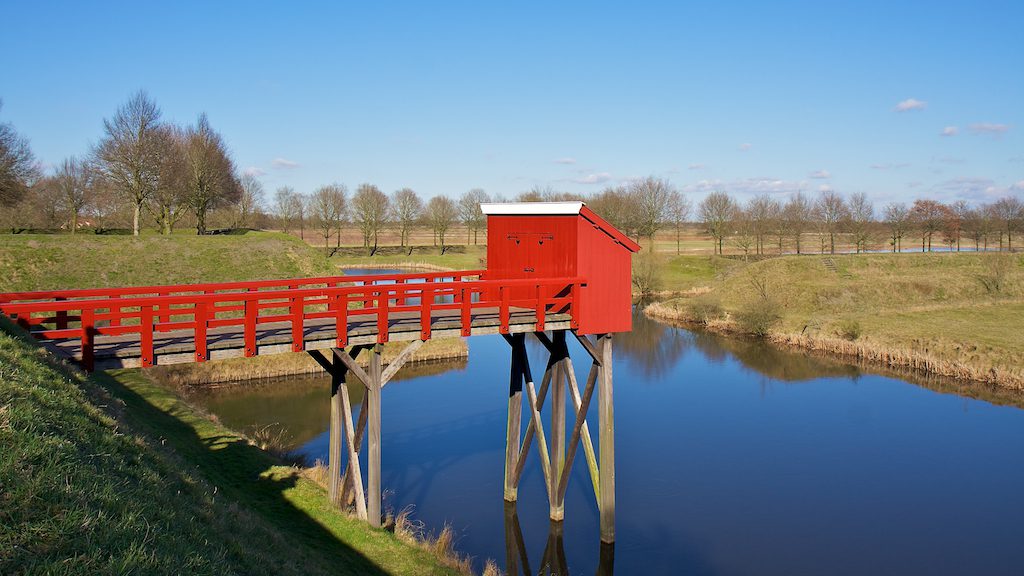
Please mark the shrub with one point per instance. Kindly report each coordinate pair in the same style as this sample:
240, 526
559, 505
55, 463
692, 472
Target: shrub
997, 268
705, 309
646, 273
759, 316
849, 329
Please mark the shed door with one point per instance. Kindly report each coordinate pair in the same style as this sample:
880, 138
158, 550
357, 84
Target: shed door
531, 253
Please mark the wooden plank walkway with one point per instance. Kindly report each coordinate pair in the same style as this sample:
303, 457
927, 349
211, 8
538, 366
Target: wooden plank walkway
177, 347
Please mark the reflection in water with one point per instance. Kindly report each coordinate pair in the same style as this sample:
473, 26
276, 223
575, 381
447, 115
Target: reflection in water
553, 561
732, 457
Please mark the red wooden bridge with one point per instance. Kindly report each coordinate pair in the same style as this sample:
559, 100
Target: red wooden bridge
552, 268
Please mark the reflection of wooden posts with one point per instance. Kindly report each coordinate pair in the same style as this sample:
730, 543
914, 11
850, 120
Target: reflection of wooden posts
554, 559
343, 430
556, 460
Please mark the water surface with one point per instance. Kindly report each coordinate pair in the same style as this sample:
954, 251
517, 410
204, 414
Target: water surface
732, 458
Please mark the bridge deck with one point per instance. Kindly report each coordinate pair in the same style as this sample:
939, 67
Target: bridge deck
178, 346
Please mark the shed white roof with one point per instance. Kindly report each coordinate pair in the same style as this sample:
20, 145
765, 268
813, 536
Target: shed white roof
530, 208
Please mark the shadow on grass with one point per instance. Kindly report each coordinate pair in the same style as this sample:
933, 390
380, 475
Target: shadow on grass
241, 472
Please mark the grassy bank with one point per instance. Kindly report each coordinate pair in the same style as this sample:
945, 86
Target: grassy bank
115, 474
951, 314
43, 262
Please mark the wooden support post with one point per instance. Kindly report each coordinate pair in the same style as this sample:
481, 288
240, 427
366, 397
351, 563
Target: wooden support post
607, 439
337, 423
558, 386
516, 560
515, 416
373, 389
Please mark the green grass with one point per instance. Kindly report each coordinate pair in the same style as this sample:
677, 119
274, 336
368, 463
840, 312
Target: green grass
681, 273
43, 262
934, 305
460, 257
116, 475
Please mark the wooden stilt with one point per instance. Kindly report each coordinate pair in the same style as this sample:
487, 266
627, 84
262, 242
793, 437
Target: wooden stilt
607, 440
512, 429
516, 559
373, 390
353, 471
558, 386
334, 450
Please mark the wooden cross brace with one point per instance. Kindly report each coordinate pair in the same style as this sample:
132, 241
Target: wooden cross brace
348, 488
556, 460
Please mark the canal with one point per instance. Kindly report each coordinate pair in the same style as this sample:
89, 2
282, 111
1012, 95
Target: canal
733, 458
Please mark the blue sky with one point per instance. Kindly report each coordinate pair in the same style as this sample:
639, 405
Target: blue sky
444, 97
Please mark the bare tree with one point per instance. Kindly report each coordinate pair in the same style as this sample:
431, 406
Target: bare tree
1008, 212
959, 212
862, 216
717, 211
762, 212
327, 209
370, 212
928, 216
797, 215
650, 198
18, 169
74, 181
897, 217
129, 153
469, 212
831, 211
168, 202
406, 208
441, 214
211, 172
614, 205
249, 203
288, 206
677, 213
744, 230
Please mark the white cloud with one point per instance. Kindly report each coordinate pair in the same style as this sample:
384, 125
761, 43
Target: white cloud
746, 146
284, 163
1018, 185
973, 189
697, 166
826, 188
989, 128
820, 174
890, 166
949, 131
565, 160
746, 187
911, 104
254, 171
596, 178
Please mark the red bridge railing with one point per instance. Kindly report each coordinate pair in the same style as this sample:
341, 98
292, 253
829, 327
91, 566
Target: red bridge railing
149, 310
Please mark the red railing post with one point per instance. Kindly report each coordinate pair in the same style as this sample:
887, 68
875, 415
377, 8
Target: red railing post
341, 320
115, 311
62, 316
200, 315
296, 309
503, 311
146, 335
540, 308
382, 315
426, 304
250, 326
88, 337
574, 317
467, 311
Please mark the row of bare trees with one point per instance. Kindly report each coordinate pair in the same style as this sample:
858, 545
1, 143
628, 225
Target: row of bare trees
764, 220
143, 166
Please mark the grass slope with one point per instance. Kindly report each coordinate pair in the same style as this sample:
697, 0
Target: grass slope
931, 306
116, 475
50, 262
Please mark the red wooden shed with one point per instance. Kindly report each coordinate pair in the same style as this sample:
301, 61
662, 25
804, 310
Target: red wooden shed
565, 239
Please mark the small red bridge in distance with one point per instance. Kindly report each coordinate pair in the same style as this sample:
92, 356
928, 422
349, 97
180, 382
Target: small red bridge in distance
553, 268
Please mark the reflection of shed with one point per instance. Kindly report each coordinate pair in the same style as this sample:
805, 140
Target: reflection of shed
565, 239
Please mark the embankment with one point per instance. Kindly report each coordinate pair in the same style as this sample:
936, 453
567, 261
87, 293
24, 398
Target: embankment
955, 315
116, 474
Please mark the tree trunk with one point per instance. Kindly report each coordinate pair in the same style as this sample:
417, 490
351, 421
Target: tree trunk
74, 221
135, 218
